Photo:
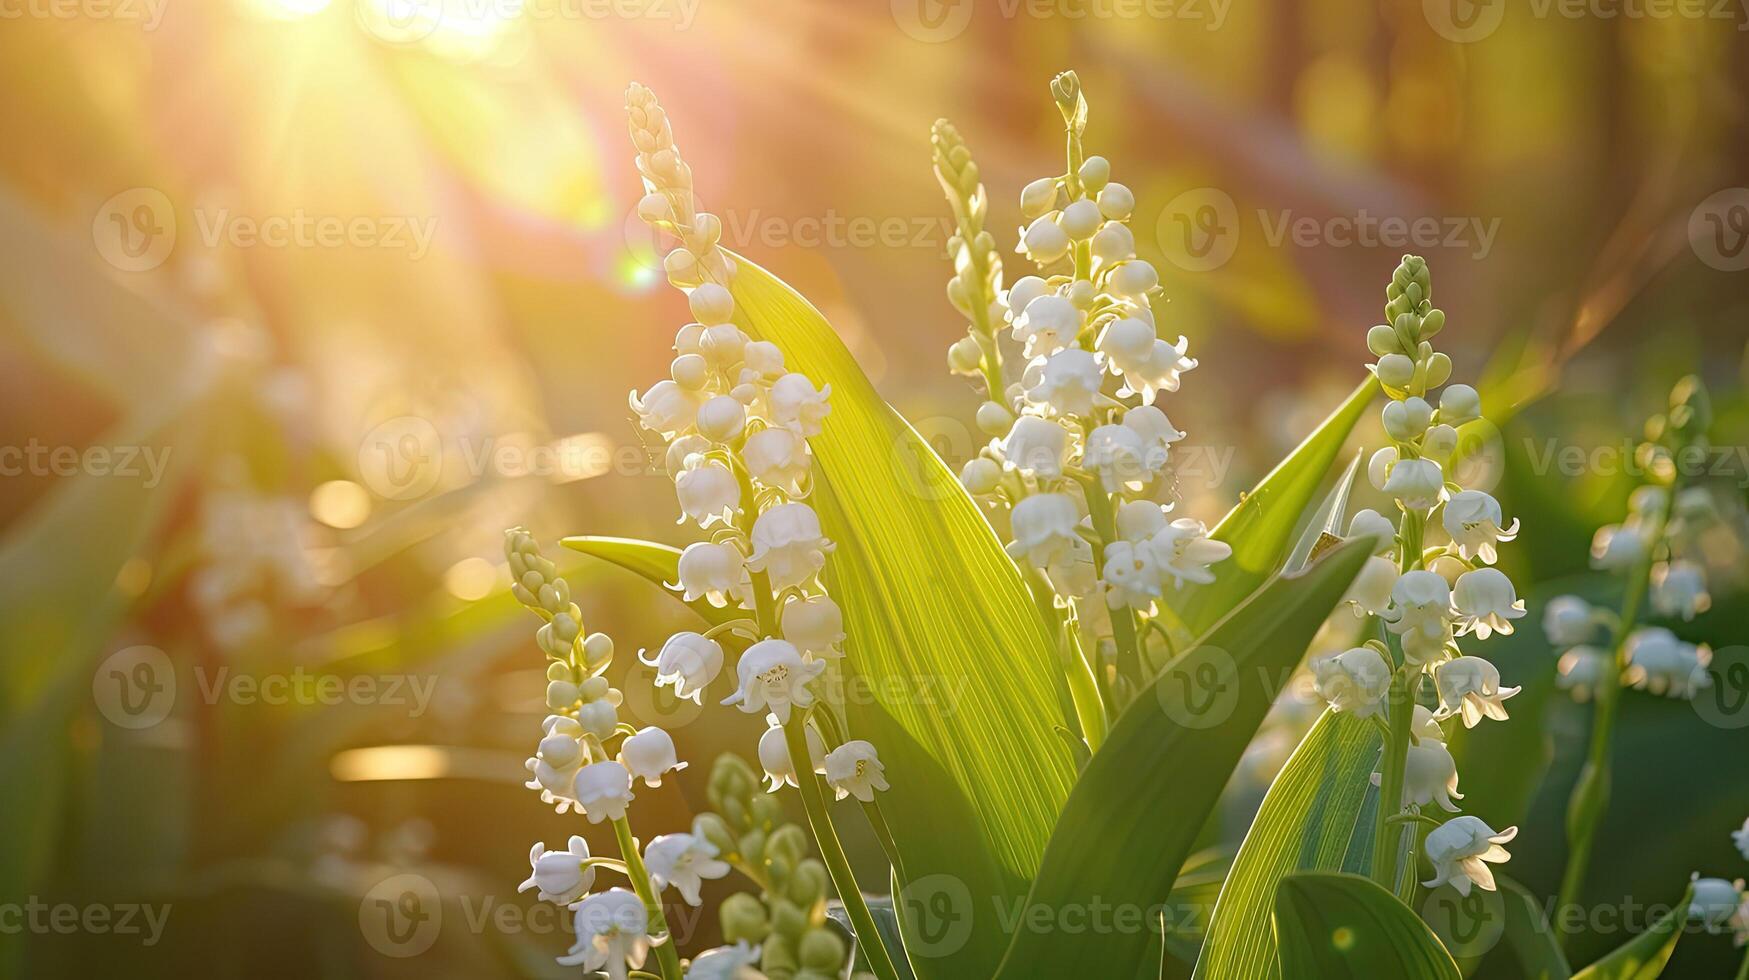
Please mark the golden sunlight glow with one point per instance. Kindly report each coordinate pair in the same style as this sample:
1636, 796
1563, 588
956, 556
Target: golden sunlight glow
471, 579
286, 9
390, 762
582, 456
340, 504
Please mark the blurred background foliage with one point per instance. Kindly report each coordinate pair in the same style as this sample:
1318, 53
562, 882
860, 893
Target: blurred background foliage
296, 531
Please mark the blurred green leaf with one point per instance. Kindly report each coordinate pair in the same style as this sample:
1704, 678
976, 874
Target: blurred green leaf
1304, 824
1643, 957
1333, 925
1139, 805
1528, 939
659, 563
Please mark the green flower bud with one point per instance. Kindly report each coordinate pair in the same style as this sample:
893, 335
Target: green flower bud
595, 688
1432, 324
1438, 369
557, 671
1396, 371
1382, 340
787, 919
789, 842
1691, 412
713, 829
734, 812
777, 959
597, 647
743, 917
822, 950
808, 884
752, 844
732, 776
766, 811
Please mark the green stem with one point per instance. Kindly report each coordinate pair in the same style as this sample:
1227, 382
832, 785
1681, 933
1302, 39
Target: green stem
862, 923
666, 956
1743, 971
1087, 692
1590, 796
1123, 619
1400, 709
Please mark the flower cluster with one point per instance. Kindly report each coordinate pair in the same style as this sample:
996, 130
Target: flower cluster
1079, 454
1427, 598
1720, 905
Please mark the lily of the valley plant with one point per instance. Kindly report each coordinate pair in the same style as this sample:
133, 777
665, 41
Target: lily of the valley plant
1053, 581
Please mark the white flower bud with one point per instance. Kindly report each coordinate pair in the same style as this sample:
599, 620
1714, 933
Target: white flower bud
1440, 442
1459, 404
1038, 197
994, 418
814, 624
1113, 242
1407, 419
965, 357
722, 419
1044, 240
1116, 202
1081, 219
1396, 370
689, 371
1133, 278
1369, 523
980, 476
1416, 483
711, 304
763, 359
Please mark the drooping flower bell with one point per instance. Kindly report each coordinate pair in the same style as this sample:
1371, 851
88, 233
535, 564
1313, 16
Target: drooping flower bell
1617, 547
735, 962
1420, 606
1044, 528
1659, 663
773, 676
561, 877
1370, 524
1470, 687
774, 755
1679, 589
602, 790
1036, 446
689, 661
798, 406
684, 861
708, 492
714, 572
1068, 382
1116, 453
1184, 551
854, 769
1486, 603
1473, 519
1715, 901
1047, 324
1132, 576
648, 754
1417, 484
555, 763
612, 930
1568, 620
778, 458
788, 545
1579, 670
666, 409
1430, 775
814, 624
1355, 680
1461, 849
1370, 592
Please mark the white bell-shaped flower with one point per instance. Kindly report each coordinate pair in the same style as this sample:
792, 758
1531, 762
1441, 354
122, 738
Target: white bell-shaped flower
1369, 523
1568, 620
1113, 243
1044, 241
1166, 364
722, 419
1416, 483
1127, 345
1715, 901
1068, 383
1139, 520
1579, 670
1618, 547
560, 876
1072, 573
798, 406
1420, 606
1047, 324
1470, 687
1036, 446
1044, 528
774, 755
1424, 725
761, 362
555, 763
711, 303
684, 861
1473, 520
1133, 278
1355, 680
1021, 294
613, 933
814, 624
1459, 404
1461, 849
1679, 589
648, 754
1370, 592
708, 493
1131, 575
1430, 775
1404, 421
788, 545
689, 661
1486, 603
1659, 663
1184, 551
1081, 219
681, 451
666, 408
1157, 433
714, 572
735, 962
777, 457
602, 790
854, 769
773, 677
1115, 453
1741, 839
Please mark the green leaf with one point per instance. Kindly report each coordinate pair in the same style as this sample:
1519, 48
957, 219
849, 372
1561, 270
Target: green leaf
1138, 807
659, 563
1333, 925
1261, 528
1304, 824
1528, 937
1643, 957
957, 677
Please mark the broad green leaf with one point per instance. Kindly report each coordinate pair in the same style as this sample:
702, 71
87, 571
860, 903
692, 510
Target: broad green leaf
659, 563
1304, 824
961, 676
1527, 938
1261, 528
1137, 809
1643, 957
1332, 926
